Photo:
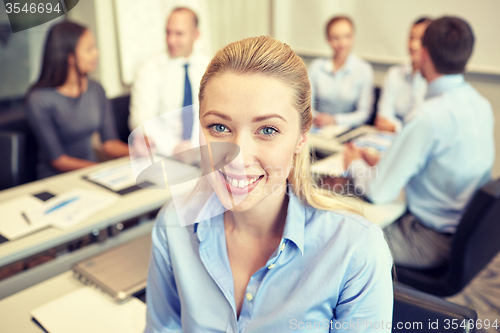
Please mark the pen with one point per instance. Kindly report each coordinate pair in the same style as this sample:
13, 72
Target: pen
64, 203
26, 218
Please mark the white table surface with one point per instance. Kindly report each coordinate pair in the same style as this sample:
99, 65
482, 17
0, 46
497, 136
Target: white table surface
15, 310
128, 206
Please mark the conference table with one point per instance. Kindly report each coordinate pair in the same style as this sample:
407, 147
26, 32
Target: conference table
140, 205
15, 309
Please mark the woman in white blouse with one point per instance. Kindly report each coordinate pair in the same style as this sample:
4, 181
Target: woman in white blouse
342, 85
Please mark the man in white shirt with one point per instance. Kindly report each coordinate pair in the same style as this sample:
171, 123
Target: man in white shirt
165, 91
404, 86
441, 158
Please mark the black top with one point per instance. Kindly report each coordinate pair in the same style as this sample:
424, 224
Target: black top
64, 125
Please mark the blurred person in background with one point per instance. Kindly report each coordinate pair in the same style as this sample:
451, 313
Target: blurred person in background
64, 107
167, 83
404, 86
342, 85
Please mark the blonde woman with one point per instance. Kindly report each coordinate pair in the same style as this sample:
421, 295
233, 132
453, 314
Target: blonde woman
288, 256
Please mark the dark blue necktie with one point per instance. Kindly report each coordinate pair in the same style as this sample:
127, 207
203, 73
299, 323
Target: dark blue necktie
187, 111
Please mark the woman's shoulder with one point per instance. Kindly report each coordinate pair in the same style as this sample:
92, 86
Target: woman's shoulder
340, 218
95, 87
40, 100
168, 218
353, 228
351, 235
41, 94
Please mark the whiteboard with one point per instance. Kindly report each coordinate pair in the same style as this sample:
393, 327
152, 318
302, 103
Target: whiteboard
382, 27
140, 27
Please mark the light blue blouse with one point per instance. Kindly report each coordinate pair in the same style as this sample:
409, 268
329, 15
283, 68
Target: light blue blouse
346, 93
441, 158
331, 271
401, 95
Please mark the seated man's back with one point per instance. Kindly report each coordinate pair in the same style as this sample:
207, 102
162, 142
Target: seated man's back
456, 155
441, 158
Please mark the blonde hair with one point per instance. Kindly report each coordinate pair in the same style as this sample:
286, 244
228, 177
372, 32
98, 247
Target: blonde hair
267, 56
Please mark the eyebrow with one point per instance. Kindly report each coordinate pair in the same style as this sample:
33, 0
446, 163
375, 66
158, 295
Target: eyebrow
254, 120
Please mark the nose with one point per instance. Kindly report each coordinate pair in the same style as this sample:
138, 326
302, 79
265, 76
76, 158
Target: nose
245, 157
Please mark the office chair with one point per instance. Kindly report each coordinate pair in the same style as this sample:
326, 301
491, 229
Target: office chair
12, 147
376, 96
13, 119
420, 312
474, 245
121, 111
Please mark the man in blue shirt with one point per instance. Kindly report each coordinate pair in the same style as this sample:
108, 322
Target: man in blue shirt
440, 158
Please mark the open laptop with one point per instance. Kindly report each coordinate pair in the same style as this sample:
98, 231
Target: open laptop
120, 272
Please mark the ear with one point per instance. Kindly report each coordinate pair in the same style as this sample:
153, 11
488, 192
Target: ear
71, 60
302, 143
424, 55
197, 34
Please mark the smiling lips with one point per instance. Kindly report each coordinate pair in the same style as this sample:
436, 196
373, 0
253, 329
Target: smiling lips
244, 184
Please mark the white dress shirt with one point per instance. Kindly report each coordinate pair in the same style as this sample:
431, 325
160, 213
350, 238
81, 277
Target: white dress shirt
402, 93
441, 158
346, 93
158, 92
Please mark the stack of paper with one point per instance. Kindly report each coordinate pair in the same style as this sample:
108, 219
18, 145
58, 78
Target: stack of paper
89, 310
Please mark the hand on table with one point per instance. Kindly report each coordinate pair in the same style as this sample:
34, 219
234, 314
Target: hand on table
351, 153
384, 124
371, 156
323, 119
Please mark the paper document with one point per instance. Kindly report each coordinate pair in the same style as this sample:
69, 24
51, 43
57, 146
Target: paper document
115, 178
329, 132
12, 223
67, 209
379, 141
89, 310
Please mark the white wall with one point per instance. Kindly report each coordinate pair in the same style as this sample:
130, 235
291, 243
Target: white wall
232, 20
382, 26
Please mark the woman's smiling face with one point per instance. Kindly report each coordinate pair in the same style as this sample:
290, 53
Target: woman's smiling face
256, 113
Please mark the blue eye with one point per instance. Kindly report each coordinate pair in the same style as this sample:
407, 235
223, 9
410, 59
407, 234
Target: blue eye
219, 128
268, 131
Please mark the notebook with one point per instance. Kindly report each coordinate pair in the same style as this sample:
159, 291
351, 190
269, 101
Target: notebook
120, 272
88, 310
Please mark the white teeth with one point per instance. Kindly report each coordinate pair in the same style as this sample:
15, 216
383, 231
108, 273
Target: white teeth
242, 183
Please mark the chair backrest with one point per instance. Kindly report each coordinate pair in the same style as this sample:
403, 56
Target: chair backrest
376, 97
476, 240
14, 120
121, 111
12, 151
416, 311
